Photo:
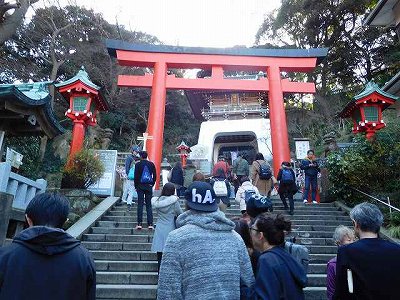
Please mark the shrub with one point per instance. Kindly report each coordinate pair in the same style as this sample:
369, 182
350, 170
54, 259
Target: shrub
85, 170
372, 167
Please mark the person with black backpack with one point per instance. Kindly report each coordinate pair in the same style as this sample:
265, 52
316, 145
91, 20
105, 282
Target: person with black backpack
287, 185
262, 175
145, 178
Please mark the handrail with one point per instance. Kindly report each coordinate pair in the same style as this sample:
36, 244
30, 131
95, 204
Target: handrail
376, 199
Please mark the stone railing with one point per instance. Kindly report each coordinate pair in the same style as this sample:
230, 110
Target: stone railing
23, 189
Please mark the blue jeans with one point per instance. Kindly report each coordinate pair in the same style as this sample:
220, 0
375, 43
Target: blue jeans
310, 180
144, 196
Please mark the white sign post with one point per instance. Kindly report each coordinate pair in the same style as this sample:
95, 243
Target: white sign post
144, 138
302, 146
106, 184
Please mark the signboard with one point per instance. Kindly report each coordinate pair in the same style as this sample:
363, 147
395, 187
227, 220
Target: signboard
199, 152
14, 158
106, 185
302, 146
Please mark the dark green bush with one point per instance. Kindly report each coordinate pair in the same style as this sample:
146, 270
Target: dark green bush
85, 170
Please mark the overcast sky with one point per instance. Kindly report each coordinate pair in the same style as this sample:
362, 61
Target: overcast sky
203, 23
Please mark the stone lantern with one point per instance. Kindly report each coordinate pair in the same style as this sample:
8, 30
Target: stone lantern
184, 151
366, 109
85, 101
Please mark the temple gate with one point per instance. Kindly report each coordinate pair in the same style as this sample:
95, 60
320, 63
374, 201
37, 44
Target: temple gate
162, 58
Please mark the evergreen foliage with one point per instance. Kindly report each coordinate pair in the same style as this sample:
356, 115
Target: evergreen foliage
372, 167
85, 170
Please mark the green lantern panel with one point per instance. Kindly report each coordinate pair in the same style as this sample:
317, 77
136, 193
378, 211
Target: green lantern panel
357, 116
371, 113
80, 103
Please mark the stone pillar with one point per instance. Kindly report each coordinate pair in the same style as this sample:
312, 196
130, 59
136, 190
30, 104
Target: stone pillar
5, 211
155, 126
277, 116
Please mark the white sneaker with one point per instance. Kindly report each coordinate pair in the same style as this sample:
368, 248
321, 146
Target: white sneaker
305, 201
315, 202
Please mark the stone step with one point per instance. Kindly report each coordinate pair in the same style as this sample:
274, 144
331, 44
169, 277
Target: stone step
121, 291
152, 278
321, 258
123, 255
311, 234
316, 268
130, 222
126, 265
117, 238
315, 293
149, 239
124, 231
149, 234
236, 209
334, 214
127, 278
117, 246
317, 280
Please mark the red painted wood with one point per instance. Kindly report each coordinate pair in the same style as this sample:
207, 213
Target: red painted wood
215, 84
277, 116
78, 136
206, 61
156, 117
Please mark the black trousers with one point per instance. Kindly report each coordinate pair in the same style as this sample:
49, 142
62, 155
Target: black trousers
159, 257
287, 195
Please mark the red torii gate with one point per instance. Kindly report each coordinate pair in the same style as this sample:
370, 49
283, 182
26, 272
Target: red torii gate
273, 61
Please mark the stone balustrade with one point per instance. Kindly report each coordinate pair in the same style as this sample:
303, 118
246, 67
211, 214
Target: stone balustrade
23, 189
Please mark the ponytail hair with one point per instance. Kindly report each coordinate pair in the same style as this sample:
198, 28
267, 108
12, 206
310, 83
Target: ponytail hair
273, 227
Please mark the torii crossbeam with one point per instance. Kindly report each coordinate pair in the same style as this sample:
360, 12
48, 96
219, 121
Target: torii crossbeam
162, 58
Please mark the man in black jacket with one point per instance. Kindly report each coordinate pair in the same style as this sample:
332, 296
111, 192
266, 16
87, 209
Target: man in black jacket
369, 268
43, 261
145, 178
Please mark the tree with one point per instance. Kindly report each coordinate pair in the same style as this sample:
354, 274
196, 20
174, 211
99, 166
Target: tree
9, 22
356, 53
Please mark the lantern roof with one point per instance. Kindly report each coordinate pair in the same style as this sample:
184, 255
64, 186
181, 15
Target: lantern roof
81, 76
183, 145
26, 110
82, 80
370, 89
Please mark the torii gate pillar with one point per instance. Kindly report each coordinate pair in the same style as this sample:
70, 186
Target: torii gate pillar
155, 127
277, 116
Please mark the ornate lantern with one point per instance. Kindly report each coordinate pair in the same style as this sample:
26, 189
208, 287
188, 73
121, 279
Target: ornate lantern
85, 101
366, 109
184, 151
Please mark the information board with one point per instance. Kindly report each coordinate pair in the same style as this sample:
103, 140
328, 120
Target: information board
106, 185
302, 146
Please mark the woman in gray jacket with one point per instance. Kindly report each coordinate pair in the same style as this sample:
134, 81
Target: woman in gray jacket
167, 207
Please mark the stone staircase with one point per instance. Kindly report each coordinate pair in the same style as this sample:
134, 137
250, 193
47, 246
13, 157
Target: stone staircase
126, 269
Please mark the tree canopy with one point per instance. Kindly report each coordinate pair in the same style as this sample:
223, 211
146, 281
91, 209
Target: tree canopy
357, 54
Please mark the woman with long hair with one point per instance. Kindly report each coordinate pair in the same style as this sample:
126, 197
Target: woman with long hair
279, 275
167, 207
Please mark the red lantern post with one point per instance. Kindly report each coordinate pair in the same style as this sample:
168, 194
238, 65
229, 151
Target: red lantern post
184, 151
85, 101
366, 109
